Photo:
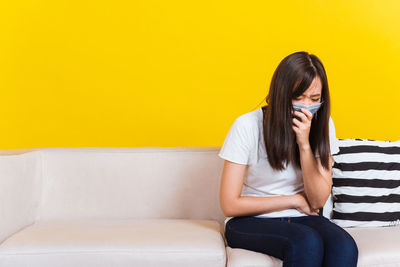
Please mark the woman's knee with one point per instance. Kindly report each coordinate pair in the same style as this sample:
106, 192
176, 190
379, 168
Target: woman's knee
349, 248
342, 252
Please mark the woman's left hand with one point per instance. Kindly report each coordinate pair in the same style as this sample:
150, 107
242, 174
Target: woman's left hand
302, 128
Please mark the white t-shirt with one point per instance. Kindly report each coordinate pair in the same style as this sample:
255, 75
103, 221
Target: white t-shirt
244, 144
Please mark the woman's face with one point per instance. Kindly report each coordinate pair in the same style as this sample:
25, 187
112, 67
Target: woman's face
312, 95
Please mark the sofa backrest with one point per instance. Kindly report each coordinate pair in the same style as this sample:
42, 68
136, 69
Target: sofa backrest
124, 183
109, 183
20, 187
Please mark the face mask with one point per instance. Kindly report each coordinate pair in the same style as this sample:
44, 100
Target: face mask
312, 108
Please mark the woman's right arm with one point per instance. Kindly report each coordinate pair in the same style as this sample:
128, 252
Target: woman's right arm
232, 204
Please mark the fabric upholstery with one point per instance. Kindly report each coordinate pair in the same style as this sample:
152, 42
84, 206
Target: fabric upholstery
20, 187
119, 183
131, 207
140, 242
238, 257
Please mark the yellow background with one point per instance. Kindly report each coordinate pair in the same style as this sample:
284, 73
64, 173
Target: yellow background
177, 73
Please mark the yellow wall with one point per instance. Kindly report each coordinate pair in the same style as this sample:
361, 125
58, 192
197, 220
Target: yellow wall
177, 73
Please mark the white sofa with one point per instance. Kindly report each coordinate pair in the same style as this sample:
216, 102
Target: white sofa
130, 207
111, 207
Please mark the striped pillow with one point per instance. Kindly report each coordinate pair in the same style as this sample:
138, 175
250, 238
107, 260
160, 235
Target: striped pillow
366, 183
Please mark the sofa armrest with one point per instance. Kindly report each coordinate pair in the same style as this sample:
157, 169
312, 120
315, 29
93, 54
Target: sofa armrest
19, 190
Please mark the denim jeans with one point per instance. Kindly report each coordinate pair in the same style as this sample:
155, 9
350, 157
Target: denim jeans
298, 241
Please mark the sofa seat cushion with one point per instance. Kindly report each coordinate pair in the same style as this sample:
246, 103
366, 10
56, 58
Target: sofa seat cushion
134, 242
377, 246
238, 257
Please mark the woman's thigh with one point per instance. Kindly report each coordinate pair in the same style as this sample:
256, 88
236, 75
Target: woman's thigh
295, 244
340, 249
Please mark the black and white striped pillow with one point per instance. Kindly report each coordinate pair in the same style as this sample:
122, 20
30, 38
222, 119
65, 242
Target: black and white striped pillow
366, 183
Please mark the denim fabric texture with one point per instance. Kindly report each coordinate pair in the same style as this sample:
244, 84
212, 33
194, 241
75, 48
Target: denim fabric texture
298, 241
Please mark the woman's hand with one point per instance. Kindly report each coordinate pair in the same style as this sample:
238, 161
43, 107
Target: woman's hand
303, 206
302, 128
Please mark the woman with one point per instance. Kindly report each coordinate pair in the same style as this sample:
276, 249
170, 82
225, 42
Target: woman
277, 172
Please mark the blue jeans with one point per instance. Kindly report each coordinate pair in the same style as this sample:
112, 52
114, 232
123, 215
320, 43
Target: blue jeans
298, 241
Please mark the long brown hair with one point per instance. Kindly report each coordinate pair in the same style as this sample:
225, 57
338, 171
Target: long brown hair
291, 78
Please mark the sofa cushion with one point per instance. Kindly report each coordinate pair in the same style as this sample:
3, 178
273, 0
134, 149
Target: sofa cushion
377, 246
238, 257
366, 183
141, 242
120, 183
